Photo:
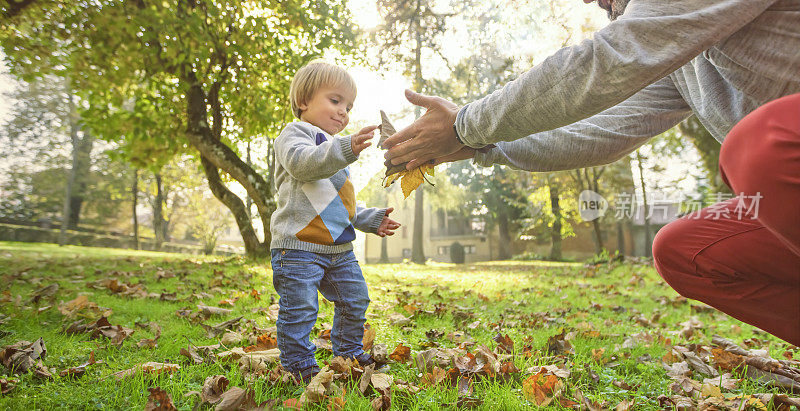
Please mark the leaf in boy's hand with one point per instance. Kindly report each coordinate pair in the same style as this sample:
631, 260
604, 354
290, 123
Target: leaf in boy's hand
387, 129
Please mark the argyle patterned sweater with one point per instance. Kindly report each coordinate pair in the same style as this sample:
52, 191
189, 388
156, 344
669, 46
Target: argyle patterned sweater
317, 209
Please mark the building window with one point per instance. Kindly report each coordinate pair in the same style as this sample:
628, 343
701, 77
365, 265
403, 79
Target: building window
443, 250
406, 253
469, 249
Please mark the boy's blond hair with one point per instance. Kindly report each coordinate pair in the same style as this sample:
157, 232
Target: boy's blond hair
312, 77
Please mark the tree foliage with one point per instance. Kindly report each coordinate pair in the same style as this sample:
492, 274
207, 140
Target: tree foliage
163, 77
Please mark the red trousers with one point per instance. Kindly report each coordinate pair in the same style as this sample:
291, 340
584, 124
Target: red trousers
742, 256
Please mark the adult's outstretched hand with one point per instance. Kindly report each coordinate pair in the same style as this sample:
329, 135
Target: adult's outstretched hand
429, 137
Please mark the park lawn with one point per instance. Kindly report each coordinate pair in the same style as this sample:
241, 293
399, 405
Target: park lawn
619, 319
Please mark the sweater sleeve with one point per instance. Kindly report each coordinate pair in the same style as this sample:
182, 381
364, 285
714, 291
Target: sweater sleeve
369, 220
600, 139
652, 39
296, 150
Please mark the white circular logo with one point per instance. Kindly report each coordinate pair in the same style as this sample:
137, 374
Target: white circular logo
591, 205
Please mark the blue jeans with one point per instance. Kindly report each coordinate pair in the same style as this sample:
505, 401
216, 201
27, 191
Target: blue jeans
297, 275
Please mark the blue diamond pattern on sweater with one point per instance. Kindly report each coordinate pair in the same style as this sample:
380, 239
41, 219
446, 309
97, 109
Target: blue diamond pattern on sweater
348, 235
335, 217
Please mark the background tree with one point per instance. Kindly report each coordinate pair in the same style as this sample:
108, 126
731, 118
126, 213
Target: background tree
226, 63
708, 148
411, 28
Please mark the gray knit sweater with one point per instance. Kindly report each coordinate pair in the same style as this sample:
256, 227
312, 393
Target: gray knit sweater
661, 61
317, 209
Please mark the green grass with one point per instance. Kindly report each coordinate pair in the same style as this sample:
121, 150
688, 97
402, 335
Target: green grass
531, 301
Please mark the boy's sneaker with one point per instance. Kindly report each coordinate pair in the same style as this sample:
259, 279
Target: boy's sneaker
366, 360
305, 375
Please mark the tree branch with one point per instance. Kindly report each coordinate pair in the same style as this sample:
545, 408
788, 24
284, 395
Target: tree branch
16, 7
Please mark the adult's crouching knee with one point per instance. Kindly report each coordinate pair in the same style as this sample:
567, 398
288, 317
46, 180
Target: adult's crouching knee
672, 261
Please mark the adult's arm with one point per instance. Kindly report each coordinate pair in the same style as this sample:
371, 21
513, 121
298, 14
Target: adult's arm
600, 139
652, 39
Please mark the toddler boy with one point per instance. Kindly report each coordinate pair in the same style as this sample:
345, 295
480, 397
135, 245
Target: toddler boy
313, 226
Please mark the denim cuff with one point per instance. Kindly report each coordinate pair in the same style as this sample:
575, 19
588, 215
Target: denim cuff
301, 365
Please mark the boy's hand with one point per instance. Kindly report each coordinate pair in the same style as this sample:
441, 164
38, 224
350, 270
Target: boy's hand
388, 225
359, 141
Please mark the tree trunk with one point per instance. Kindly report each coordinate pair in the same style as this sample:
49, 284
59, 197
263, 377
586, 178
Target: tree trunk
504, 238
135, 195
249, 200
417, 250
82, 168
384, 251
620, 238
158, 213
644, 209
555, 232
417, 242
598, 229
708, 147
217, 156
73, 131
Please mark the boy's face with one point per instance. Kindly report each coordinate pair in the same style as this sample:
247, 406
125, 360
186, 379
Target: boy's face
329, 108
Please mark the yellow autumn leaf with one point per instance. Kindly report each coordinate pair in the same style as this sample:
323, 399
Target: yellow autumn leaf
411, 180
392, 178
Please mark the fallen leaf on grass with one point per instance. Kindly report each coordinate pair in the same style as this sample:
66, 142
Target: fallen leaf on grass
231, 338
726, 360
213, 388
159, 400
79, 370
369, 337
725, 381
237, 399
699, 365
585, 403
82, 307
542, 389
101, 328
398, 319
380, 352
343, 365
383, 402
626, 405
401, 354
366, 378
317, 387
557, 345
128, 290
435, 377
624, 385
209, 311
215, 330
47, 292
21, 356
504, 344
263, 342
201, 354
258, 361
151, 342
7, 384
150, 368
678, 370
381, 381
